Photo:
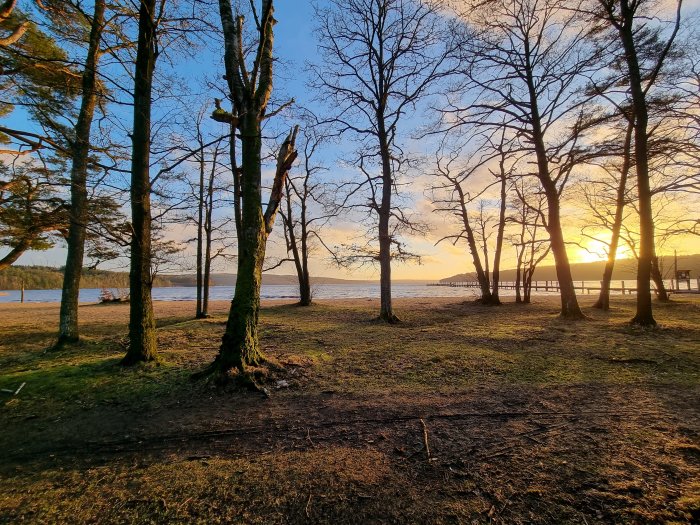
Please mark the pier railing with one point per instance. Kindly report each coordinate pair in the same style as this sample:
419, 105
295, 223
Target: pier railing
672, 286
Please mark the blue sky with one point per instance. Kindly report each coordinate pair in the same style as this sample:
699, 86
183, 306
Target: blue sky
295, 45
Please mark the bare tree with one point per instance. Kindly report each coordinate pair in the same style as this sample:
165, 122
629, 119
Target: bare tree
206, 194
305, 211
249, 91
524, 73
606, 197
531, 247
645, 49
452, 195
380, 59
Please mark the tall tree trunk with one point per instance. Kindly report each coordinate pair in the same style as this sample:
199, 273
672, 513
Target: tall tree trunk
569, 303
527, 286
644, 315
208, 228
240, 347
68, 331
206, 279
518, 297
481, 276
305, 282
200, 237
495, 300
658, 279
299, 254
603, 301
250, 93
386, 312
142, 326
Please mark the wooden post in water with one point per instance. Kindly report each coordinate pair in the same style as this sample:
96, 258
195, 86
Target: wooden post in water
21, 291
623, 287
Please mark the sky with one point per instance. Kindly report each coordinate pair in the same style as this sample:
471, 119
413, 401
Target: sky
295, 44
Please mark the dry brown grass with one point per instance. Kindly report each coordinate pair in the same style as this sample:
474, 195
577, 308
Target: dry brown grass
530, 419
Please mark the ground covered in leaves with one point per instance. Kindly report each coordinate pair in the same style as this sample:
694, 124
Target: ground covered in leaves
526, 418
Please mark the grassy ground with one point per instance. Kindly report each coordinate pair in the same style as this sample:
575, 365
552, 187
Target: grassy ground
528, 419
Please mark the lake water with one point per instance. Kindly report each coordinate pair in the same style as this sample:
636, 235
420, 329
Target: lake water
189, 293
279, 291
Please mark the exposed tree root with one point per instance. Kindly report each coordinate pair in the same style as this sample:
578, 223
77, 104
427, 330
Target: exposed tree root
248, 378
643, 321
388, 318
62, 343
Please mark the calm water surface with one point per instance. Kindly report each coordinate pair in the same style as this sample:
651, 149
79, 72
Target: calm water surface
189, 293
285, 291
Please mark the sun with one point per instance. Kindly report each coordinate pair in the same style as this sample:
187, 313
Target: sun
597, 251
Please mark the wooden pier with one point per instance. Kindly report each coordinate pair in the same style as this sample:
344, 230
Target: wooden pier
580, 286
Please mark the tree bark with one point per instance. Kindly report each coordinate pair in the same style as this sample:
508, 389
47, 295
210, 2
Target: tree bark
644, 314
495, 300
200, 235
661, 293
68, 318
386, 312
250, 93
569, 303
142, 327
305, 297
14, 254
208, 228
240, 348
603, 301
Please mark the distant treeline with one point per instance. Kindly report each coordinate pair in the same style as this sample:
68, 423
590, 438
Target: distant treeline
48, 278
625, 269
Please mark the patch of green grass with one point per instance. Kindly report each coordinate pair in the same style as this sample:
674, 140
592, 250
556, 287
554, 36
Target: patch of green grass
448, 346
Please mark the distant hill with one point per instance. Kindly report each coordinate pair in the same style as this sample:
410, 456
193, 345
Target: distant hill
49, 278
229, 279
625, 269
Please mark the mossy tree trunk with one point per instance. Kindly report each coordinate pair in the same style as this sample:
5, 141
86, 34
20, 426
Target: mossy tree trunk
240, 346
80, 148
142, 326
249, 91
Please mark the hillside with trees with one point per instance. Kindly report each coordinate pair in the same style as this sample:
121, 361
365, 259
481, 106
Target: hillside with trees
625, 269
48, 278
